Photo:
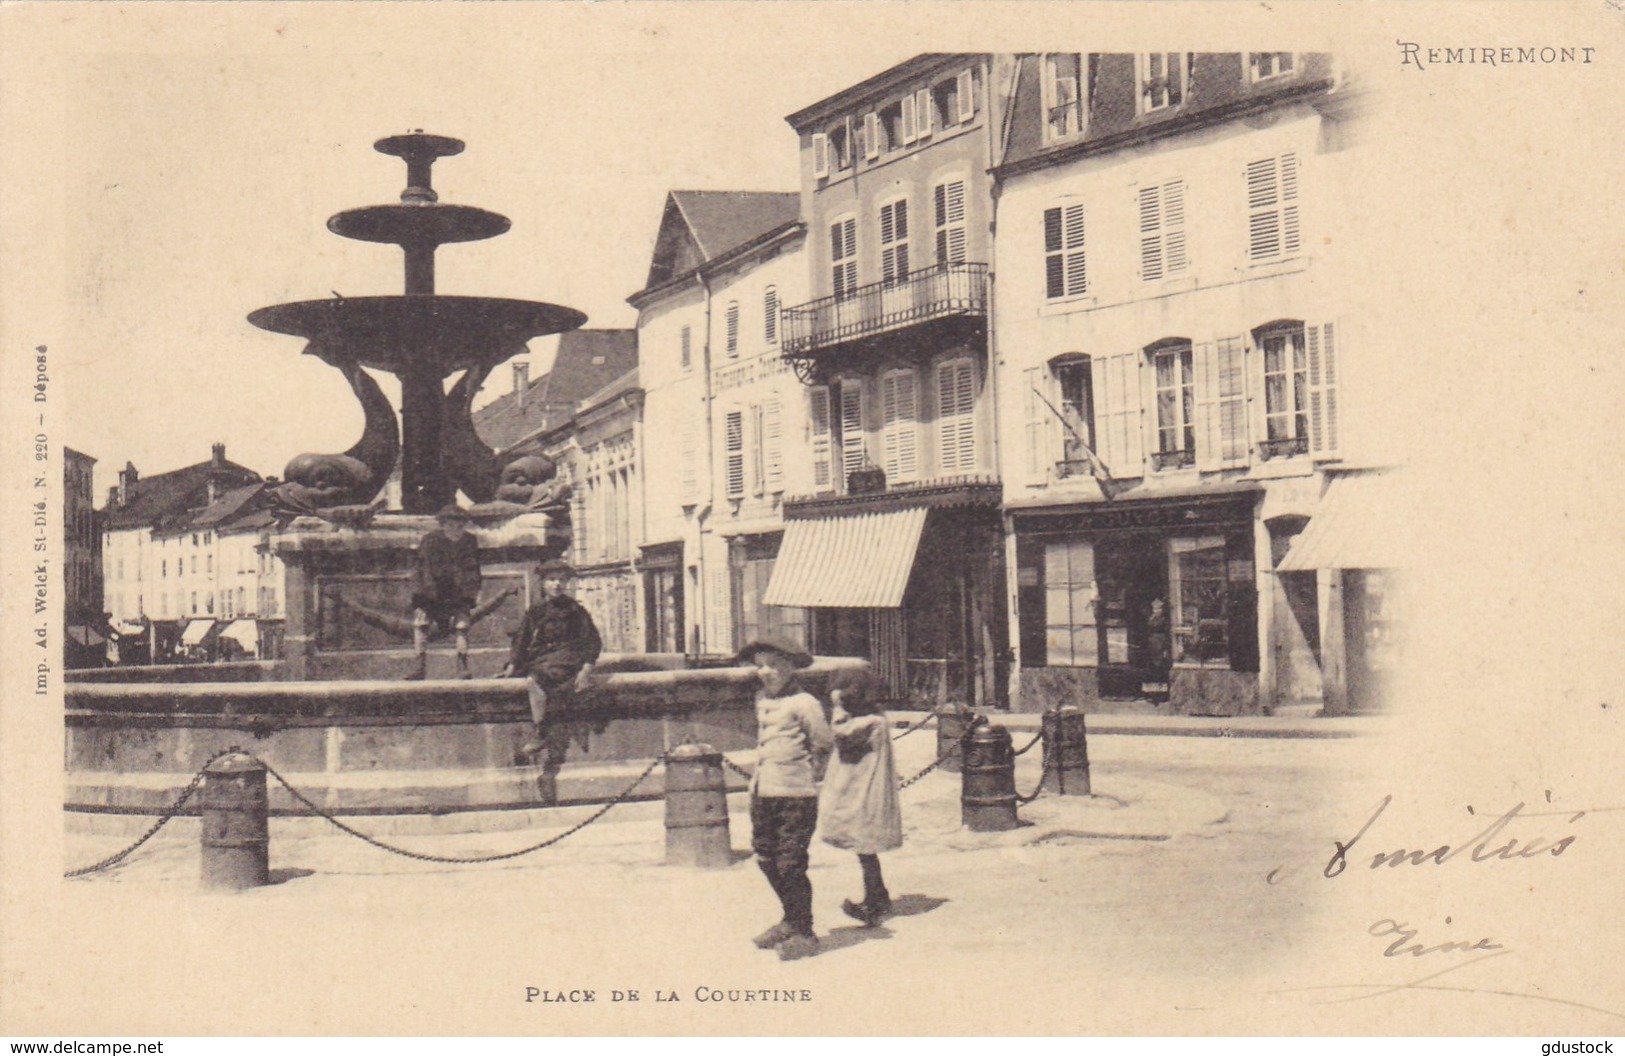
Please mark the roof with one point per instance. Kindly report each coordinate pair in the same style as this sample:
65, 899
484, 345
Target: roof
586, 361
802, 119
627, 382
166, 501
240, 509
699, 227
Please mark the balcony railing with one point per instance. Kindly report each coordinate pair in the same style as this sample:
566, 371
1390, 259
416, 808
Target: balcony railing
1283, 448
933, 293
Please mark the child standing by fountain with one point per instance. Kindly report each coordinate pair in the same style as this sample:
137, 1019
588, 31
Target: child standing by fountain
858, 807
445, 586
790, 732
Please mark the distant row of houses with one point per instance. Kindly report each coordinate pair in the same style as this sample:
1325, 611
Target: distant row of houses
1045, 386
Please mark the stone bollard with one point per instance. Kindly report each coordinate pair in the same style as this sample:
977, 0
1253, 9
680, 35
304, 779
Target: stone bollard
1066, 752
236, 833
696, 808
987, 797
952, 721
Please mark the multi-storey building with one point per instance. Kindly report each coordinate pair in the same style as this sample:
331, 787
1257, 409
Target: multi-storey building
896, 547
708, 316
1176, 348
158, 572
86, 625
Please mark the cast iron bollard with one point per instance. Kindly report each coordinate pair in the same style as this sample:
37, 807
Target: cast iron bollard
696, 808
952, 721
236, 834
1066, 752
987, 797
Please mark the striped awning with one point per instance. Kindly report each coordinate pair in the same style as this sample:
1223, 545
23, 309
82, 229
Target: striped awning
245, 633
196, 631
859, 561
1361, 522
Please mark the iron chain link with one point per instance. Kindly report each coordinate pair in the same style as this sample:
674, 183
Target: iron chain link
163, 819
1043, 776
976, 720
1028, 746
736, 768
917, 726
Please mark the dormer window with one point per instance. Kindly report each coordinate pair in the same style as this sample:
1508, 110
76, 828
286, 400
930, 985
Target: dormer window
1263, 65
1063, 96
1164, 78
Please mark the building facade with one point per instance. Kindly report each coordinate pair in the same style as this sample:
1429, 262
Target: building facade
896, 548
1173, 332
82, 602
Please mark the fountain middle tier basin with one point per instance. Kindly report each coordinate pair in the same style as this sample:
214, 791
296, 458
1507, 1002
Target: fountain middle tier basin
413, 332
428, 225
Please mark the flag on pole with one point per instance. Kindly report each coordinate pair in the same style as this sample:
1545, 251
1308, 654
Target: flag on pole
1109, 486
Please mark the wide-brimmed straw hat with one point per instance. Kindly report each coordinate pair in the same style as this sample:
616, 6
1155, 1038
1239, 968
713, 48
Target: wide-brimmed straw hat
556, 567
451, 512
797, 656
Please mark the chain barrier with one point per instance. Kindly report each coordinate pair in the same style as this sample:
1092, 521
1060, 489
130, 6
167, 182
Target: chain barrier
976, 720
448, 860
163, 819
1043, 775
917, 726
1028, 747
736, 768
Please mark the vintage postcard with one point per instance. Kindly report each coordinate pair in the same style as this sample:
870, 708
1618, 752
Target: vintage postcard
734, 519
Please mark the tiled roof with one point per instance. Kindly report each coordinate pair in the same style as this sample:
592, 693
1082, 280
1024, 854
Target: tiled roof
586, 361
724, 220
232, 509
166, 501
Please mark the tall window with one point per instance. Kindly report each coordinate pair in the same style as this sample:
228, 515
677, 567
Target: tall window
843, 257
770, 315
1071, 637
1176, 404
685, 346
1198, 589
1063, 97
899, 425
733, 329
1075, 386
1164, 77
1162, 230
894, 242
1262, 65
1272, 208
1066, 272
948, 209
956, 418
1286, 390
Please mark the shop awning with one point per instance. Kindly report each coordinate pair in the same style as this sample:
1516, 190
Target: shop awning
245, 633
860, 561
196, 631
1360, 523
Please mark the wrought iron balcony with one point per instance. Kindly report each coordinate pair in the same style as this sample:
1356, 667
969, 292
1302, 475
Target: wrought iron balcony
939, 292
1177, 459
1283, 448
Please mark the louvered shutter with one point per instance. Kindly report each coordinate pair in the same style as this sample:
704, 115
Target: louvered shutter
733, 329
1036, 418
871, 136
734, 453
690, 463
948, 206
1230, 372
719, 604
1324, 430
923, 109
956, 423
1066, 272
1272, 208
967, 102
1207, 404
1162, 230
1077, 276
686, 351
852, 446
818, 422
820, 152
1151, 233
1173, 227
1117, 414
909, 133
894, 242
773, 444
899, 431
756, 451
770, 316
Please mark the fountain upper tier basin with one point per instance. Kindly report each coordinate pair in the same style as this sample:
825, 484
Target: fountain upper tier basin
417, 331
418, 224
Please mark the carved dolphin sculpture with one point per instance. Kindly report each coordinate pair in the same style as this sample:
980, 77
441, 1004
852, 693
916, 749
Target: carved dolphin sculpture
316, 481
470, 464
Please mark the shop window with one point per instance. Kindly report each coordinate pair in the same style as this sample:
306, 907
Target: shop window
1071, 637
1198, 588
1286, 389
1176, 404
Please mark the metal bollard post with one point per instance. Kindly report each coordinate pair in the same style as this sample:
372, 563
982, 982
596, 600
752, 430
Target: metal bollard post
987, 797
696, 808
236, 833
1066, 752
952, 720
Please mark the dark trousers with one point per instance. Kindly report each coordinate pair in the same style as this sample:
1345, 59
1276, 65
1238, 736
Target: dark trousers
781, 831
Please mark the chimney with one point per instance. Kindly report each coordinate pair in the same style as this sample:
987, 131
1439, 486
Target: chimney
521, 382
219, 458
126, 477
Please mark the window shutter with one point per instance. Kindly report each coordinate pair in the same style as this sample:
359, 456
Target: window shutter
1173, 226
756, 449
871, 136
852, 446
818, 423
1230, 372
770, 315
899, 431
1077, 277
686, 351
1036, 415
1117, 414
948, 208
922, 113
734, 470
772, 433
690, 463
1150, 233
1289, 204
956, 422
720, 604
1209, 443
894, 242
733, 329
1272, 208
967, 103
909, 134
1324, 431
820, 151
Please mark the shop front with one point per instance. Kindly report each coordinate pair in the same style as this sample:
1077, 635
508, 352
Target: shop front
1150, 601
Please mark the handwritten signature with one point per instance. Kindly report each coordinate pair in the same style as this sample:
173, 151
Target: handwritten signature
1478, 847
1386, 927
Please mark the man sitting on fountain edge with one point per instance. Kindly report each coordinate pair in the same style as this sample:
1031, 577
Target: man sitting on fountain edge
445, 586
557, 645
